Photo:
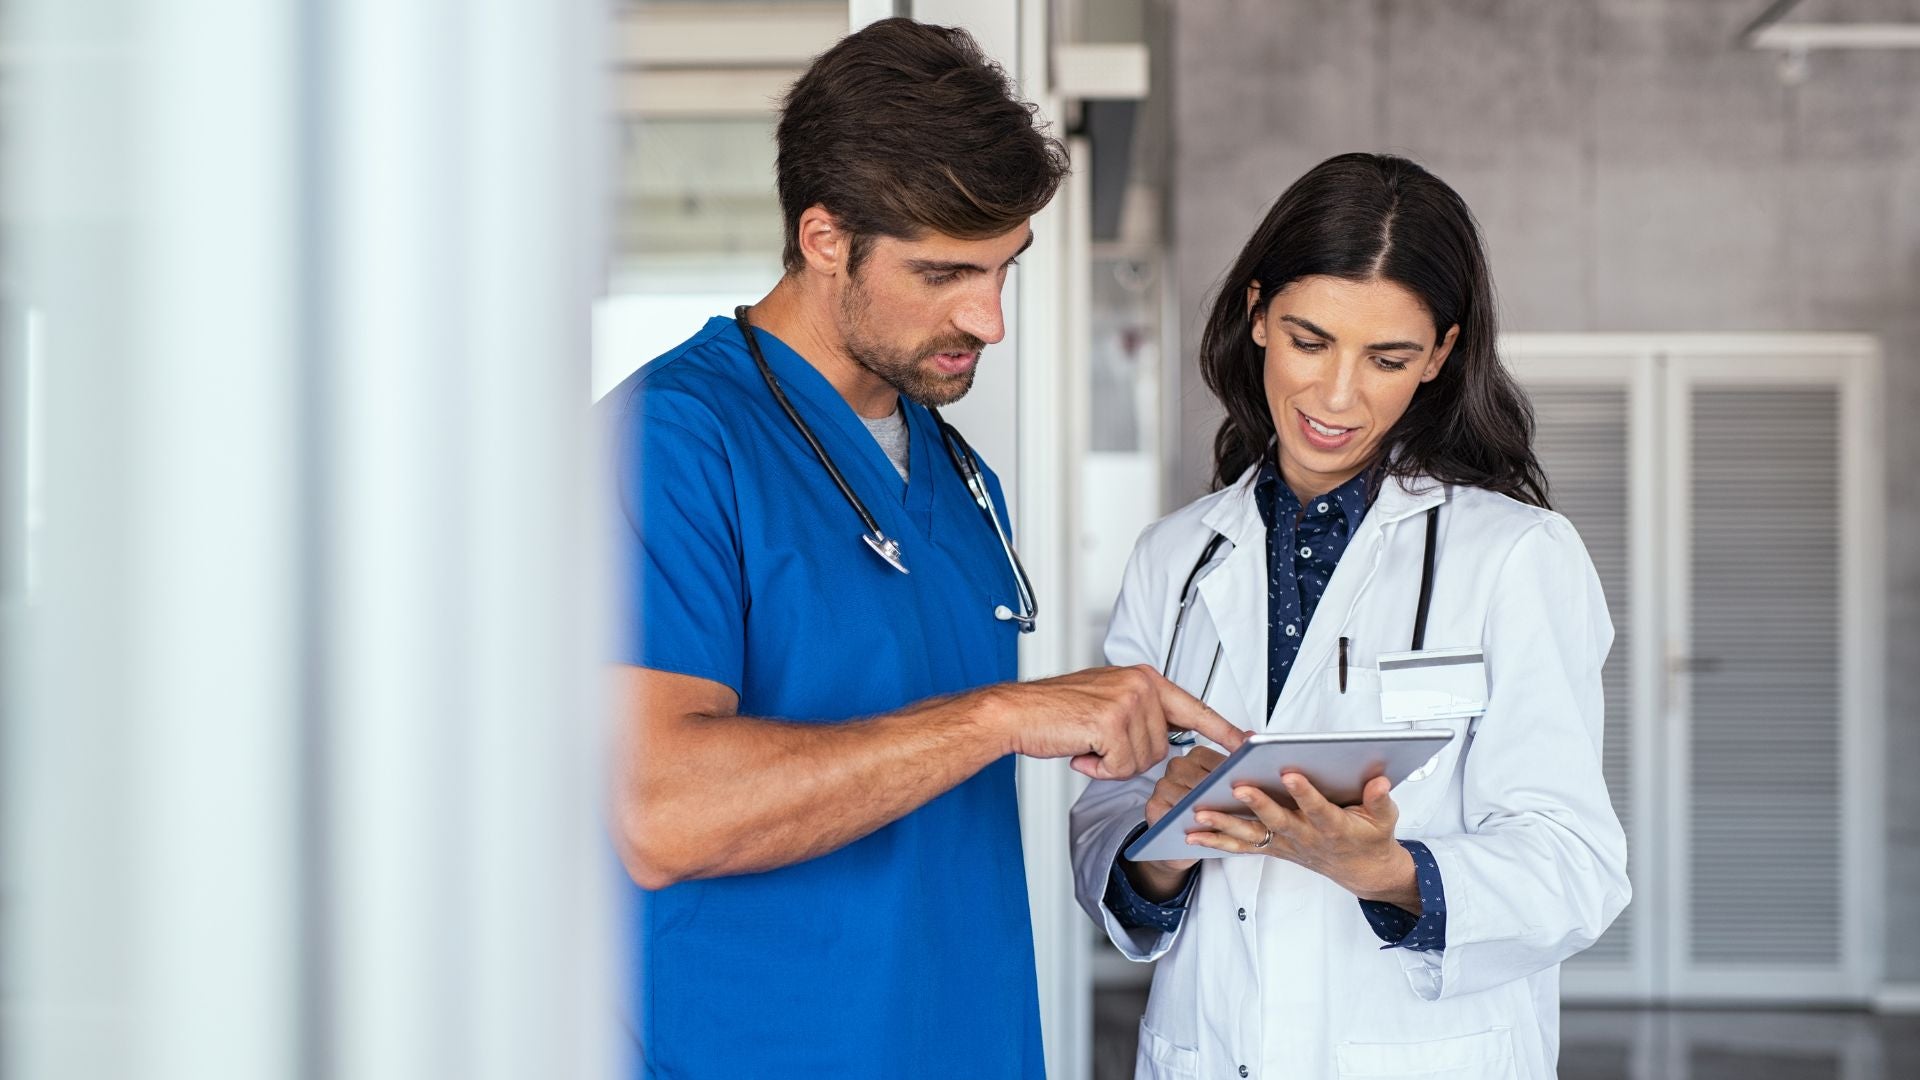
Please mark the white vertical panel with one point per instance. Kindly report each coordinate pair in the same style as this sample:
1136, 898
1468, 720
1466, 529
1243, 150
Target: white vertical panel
1774, 772
470, 876
1765, 857
151, 690
315, 371
216, 627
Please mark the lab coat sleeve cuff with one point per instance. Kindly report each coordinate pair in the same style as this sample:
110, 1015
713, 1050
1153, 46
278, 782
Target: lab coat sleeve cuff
1399, 928
1136, 912
1137, 943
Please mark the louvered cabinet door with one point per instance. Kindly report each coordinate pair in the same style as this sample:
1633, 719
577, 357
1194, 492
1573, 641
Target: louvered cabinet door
1769, 722
1594, 412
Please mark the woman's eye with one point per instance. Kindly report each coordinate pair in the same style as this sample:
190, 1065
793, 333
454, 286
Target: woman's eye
1389, 364
1307, 346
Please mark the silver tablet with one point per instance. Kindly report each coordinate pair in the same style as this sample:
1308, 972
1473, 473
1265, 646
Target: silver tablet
1339, 764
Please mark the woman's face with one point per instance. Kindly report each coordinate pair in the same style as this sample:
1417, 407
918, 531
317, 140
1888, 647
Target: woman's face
1343, 359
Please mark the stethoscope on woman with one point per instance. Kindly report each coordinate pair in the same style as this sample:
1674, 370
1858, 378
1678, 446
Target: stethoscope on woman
965, 462
1190, 590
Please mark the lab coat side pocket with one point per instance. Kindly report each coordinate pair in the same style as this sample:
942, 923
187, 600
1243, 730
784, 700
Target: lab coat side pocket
1487, 1055
1161, 1059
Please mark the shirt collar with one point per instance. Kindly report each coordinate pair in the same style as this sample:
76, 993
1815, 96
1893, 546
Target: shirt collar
1275, 498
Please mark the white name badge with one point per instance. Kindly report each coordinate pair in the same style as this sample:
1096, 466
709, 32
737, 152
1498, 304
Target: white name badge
1432, 684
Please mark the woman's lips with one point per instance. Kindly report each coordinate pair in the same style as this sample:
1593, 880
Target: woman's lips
1316, 436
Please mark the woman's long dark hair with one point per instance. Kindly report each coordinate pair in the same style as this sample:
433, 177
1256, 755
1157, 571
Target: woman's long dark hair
1364, 217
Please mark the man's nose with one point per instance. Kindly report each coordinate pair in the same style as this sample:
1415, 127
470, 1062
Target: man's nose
982, 316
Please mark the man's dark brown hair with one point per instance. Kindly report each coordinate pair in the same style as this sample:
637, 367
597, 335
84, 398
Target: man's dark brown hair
904, 128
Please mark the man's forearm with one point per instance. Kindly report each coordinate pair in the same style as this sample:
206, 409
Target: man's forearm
710, 796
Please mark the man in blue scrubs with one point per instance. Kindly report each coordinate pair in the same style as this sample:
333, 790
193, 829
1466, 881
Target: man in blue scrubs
815, 789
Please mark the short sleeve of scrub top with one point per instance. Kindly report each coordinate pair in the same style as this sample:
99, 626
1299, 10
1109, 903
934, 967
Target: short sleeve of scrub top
687, 572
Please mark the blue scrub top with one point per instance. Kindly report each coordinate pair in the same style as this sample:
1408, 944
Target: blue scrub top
908, 952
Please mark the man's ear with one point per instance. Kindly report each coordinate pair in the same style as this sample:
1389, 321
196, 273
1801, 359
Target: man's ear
1259, 325
823, 243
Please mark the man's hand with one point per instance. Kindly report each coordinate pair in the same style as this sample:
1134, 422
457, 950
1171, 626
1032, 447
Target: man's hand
1111, 721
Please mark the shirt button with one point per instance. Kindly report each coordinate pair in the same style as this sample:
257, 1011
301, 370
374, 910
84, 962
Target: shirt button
1243, 914
1323, 508
1292, 630
1243, 1070
1306, 553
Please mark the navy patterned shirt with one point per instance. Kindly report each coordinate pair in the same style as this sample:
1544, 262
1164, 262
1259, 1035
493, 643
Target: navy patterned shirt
1304, 545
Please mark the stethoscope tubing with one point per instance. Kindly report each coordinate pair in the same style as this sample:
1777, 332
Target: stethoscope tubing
959, 451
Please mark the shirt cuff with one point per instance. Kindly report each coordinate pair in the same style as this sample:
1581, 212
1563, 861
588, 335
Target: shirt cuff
1401, 929
1136, 912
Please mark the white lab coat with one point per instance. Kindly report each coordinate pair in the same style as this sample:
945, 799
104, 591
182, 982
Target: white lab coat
1275, 972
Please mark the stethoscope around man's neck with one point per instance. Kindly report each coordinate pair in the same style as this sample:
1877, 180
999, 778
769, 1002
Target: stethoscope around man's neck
965, 462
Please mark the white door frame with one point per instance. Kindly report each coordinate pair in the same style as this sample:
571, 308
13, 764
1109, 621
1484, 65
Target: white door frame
1851, 363
1658, 370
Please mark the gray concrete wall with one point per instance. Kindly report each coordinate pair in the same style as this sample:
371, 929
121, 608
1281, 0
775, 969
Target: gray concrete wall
1633, 168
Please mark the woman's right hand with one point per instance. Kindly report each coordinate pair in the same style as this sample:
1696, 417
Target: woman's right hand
1162, 879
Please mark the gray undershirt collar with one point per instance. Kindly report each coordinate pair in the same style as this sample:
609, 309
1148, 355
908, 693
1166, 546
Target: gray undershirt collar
890, 432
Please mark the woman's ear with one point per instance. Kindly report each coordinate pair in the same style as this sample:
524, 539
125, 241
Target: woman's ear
1259, 324
1440, 354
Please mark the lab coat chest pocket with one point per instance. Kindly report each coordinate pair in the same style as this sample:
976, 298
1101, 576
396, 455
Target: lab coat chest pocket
1422, 792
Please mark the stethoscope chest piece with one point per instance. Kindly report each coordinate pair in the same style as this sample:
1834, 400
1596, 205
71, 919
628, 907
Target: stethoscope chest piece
887, 548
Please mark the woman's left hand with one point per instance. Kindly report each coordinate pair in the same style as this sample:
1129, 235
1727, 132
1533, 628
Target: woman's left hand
1351, 846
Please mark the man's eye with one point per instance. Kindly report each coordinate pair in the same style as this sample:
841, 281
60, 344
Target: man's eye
940, 279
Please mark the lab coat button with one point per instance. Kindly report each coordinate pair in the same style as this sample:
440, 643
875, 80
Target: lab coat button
1243, 1070
1243, 914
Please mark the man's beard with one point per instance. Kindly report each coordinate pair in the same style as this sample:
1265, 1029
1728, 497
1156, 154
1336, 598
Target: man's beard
906, 370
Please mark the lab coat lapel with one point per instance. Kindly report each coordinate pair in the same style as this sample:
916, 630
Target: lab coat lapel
1396, 505
1235, 596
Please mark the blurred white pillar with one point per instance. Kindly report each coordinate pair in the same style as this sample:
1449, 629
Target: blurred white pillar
151, 883
470, 878
301, 763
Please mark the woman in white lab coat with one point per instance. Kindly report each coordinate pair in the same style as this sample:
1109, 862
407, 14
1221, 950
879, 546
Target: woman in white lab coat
1419, 934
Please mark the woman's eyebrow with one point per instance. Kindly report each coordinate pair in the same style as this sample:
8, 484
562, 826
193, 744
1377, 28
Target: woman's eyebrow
1378, 346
